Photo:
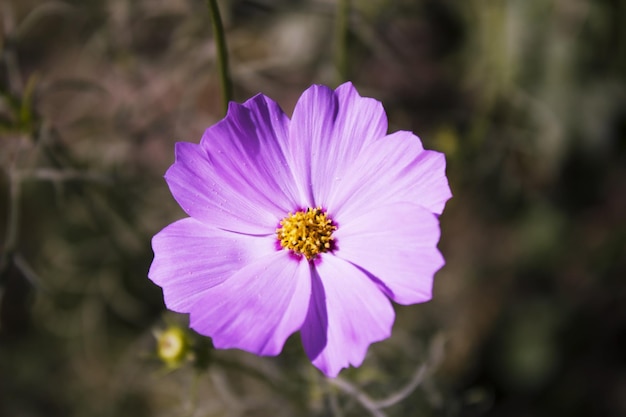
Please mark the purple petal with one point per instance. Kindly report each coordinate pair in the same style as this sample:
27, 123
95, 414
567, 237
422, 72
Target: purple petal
237, 178
395, 168
348, 312
395, 244
327, 132
191, 257
258, 307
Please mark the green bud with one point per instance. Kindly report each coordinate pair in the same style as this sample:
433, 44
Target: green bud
173, 346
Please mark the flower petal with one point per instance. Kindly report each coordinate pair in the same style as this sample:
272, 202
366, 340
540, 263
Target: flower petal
237, 178
327, 132
191, 257
347, 313
407, 172
258, 307
395, 244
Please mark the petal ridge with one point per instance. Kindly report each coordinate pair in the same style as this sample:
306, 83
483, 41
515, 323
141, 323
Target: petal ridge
275, 289
329, 129
191, 257
408, 173
356, 311
407, 261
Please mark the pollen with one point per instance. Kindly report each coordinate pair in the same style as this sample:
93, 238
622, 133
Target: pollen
307, 233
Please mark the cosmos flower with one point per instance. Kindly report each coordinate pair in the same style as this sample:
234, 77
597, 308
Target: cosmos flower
311, 224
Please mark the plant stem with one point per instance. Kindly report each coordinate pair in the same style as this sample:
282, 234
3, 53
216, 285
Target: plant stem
341, 41
13, 220
222, 54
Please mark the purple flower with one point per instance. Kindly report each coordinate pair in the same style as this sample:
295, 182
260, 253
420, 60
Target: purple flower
311, 224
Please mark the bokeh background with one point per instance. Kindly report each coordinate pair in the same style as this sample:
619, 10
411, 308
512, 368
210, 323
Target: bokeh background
527, 98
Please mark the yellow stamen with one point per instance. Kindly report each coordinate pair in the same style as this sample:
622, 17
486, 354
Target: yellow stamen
307, 232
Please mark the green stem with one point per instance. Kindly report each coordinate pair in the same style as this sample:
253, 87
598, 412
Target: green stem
13, 220
341, 41
222, 54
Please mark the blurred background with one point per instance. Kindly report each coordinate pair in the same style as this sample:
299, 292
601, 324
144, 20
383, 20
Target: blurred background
527, 98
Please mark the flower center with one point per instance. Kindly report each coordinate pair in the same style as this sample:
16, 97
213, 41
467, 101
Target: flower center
307, 232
